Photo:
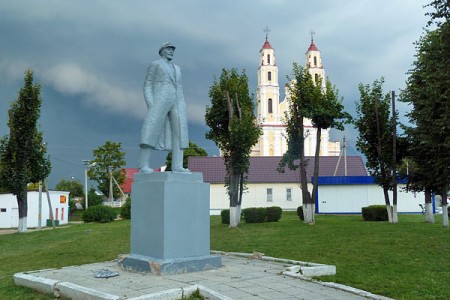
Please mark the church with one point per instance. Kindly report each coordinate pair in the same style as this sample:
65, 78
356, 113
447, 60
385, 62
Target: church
271, 112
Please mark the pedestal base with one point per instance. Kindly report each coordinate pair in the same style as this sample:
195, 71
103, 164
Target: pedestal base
170, 224
145, 264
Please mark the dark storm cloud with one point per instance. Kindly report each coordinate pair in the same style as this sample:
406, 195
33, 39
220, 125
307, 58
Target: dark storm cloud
91, 58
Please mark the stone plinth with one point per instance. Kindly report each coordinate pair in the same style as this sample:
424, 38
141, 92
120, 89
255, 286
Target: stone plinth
170, 229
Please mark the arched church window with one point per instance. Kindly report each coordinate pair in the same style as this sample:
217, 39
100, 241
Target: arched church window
269, 106
268, 59
316, 77
315, 61
269, 76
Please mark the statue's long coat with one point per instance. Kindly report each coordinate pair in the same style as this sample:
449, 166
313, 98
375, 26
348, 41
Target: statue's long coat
163, 93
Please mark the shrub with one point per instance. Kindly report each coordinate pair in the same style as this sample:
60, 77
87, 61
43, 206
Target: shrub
125, 211
255, 214
375, 213
300, 213
225, 215
99, 213
274, 213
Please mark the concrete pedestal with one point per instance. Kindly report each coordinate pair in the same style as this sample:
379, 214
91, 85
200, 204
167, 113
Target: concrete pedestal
170, 229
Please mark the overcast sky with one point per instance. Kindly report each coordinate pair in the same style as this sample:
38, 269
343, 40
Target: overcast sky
91, 58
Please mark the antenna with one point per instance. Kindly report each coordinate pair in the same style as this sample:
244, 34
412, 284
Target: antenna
312, 33
266, 30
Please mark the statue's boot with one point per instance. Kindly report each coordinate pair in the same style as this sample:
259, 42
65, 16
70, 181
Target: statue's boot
177, 162
144, 160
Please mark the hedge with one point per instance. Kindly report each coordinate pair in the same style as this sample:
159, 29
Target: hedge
375, 213
99, 213
255, 214
274, 214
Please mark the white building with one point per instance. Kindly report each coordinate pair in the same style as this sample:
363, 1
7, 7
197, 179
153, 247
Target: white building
267, 187
9, 211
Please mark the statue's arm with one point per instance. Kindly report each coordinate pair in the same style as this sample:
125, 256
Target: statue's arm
148, 84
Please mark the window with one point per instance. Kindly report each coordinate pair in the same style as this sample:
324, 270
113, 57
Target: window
269, 195
316, 77
315, 61
268, 59
269, 76
288, 194
3, 210
269, 106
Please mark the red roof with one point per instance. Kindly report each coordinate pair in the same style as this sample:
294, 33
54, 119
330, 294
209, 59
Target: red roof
267, 45
126, 186
312, 47
264, 168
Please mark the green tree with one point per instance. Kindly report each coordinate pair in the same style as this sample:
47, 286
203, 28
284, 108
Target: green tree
75, 188
94, 199
427, 91
325, 109
233, 128
375, 135
108, 155
23, 153
193, 150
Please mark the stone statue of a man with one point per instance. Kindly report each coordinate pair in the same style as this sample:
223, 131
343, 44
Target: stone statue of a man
165, 125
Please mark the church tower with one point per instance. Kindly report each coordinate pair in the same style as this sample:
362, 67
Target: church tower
271, 112
314, 62
269, 115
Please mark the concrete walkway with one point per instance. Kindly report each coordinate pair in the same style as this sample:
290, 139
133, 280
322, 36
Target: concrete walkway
239, 278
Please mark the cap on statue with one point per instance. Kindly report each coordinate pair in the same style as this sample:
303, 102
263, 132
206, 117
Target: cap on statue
166, 45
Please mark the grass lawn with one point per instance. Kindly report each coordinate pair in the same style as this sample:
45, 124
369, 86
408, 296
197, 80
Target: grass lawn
410, 260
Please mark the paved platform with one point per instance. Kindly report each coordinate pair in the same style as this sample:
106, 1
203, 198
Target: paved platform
240, 278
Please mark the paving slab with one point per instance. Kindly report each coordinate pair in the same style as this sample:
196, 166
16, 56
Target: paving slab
240, 277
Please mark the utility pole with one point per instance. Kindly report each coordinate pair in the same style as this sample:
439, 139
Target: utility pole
110, 169
394, 155
87, 165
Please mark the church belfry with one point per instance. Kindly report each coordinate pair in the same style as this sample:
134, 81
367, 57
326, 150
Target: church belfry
269, 115
314, 62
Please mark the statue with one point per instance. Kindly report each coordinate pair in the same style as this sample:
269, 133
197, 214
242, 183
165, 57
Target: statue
165, 124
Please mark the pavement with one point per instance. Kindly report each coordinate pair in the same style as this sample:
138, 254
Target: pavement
240, 278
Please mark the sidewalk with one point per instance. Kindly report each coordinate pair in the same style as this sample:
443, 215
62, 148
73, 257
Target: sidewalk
239, 278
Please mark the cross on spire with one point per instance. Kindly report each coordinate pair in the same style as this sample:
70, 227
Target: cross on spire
312, 33
266, 30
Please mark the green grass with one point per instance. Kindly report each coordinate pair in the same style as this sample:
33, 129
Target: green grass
410, 260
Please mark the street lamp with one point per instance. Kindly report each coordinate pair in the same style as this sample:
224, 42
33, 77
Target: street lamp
87, 165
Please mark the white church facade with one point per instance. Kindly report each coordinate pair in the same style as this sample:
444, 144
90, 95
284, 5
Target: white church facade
271, 112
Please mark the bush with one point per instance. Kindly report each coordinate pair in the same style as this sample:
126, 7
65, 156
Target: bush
375, 213
255, 214
225, 215
99, 213
125, 211
274, 213
300, 213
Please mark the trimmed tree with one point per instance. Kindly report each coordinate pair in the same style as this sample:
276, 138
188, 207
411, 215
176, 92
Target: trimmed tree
23, 153
108, 155
193, 150
325, 109
375, 135
427, 90
233, 128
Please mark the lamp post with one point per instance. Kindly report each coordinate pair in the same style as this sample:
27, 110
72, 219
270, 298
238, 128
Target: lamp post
87, 165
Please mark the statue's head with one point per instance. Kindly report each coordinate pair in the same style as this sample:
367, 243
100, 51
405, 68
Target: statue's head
166, 50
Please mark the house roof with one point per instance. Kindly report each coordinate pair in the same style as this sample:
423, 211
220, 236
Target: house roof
264, 168
126, 186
